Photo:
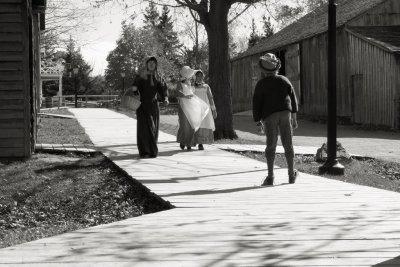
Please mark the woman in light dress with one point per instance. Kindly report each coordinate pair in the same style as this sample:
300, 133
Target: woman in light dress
191, 110
205, 134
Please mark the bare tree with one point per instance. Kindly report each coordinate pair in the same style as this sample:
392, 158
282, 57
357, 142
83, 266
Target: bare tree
63, 18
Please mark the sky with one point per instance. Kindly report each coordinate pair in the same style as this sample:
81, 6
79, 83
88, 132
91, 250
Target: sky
100, 38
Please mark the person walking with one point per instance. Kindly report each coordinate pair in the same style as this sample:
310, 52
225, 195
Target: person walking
191, 110
149, 84
275, 108
205, 134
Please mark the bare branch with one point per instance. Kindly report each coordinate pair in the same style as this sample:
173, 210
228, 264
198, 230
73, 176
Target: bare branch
163, 4
240, 13
190, 4
194, 16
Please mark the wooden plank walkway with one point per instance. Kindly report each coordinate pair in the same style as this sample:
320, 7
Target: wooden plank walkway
223, 217
56, 116
62, 148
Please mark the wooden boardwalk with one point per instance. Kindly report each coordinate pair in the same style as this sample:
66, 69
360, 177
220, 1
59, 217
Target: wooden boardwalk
222, 216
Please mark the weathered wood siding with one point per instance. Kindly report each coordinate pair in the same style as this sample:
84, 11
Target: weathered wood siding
245, 74
292, 68
385, 14
13, 83
375, 72
19, 72
314, 75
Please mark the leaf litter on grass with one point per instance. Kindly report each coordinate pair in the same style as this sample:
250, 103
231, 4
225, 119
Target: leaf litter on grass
369, 172
52, 194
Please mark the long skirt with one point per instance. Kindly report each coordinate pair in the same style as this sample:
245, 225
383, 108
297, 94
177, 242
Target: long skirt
148, 121
185, 134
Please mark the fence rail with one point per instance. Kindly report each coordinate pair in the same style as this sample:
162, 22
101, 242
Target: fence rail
87, 100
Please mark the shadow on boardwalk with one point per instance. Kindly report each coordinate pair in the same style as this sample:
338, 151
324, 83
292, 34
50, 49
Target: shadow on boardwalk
258, 244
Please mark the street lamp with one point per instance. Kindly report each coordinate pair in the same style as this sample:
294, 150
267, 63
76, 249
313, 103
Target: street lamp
76, 70
332, 165
123, 82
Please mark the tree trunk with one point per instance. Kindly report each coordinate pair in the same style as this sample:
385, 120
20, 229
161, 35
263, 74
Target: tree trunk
219, 70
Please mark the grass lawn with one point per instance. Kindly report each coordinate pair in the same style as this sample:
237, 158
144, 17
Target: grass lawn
50, 194
60, 130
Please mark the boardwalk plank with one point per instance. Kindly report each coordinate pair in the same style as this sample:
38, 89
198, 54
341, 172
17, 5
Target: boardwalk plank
222, 216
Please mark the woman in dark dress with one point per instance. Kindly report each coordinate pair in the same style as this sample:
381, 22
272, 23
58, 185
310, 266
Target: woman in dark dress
149, 84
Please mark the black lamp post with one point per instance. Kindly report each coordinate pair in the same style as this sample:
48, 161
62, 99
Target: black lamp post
123, 82
332, 165
76, 70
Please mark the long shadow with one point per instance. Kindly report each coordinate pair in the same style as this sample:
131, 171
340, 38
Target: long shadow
211, 192
395, 262
189, 178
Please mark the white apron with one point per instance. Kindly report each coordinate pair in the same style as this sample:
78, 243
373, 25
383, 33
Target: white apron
194, 108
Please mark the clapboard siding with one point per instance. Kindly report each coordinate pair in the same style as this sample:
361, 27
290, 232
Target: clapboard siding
10, 37
11, 27
12, 142
15, 104
10, 85
10, 17
12, 152
10, 8
15, 113
11, 66
11, 124
12, 114
16, 75
16, 133
11, 47
377, 93
11, 56
385, 14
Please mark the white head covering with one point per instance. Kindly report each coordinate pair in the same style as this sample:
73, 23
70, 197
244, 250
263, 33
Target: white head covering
187, 72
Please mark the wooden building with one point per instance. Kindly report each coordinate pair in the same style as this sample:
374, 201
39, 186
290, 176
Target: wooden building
20, 24
368, 62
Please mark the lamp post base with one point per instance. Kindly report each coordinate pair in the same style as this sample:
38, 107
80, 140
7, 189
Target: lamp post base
332, 167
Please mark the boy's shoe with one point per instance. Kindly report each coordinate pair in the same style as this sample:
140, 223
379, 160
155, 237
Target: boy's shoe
292, 179
182, 146
201, 147
269, 180
189, 148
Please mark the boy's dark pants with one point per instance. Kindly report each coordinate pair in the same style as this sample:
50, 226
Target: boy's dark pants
279, 122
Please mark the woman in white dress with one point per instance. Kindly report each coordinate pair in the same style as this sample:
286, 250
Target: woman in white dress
191, 111
205, 134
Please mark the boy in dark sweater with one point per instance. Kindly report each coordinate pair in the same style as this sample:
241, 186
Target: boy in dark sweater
275, 107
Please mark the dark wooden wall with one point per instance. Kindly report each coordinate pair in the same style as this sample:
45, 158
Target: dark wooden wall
18, 41
314, 75
245, 74
375, 73
13, 83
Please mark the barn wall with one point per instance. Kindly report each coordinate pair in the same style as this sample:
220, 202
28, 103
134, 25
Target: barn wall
374, 72
314, 75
